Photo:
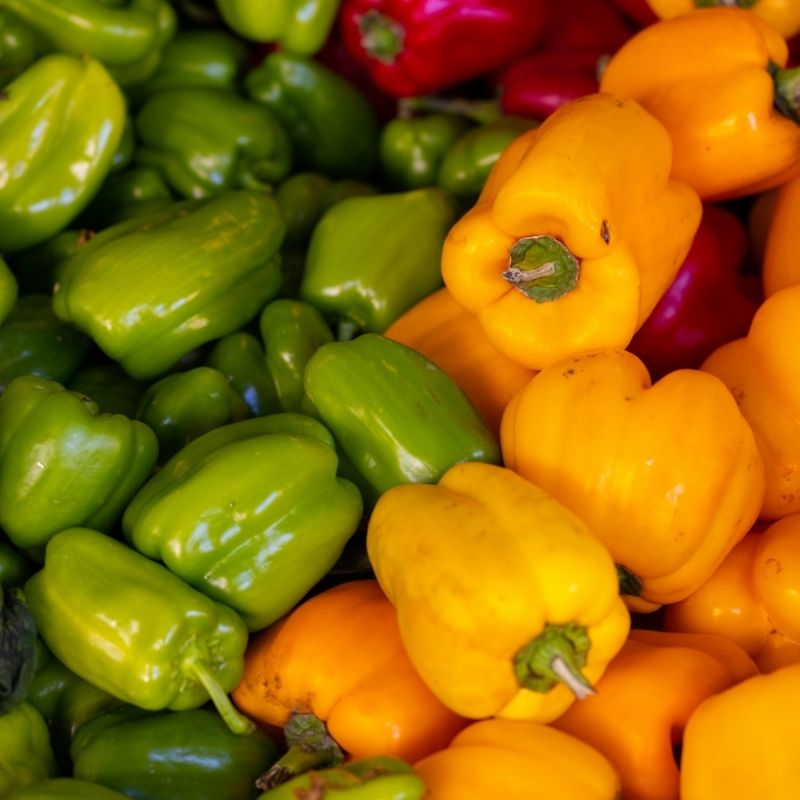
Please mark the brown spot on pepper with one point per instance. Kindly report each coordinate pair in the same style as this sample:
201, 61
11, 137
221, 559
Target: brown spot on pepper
605, 233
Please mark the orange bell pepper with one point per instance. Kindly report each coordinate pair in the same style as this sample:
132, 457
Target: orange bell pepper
644, 699
451, 337
577, 233
781, 266
741, 744
668, 476
752, 598
339, 657
713, 78
517, 761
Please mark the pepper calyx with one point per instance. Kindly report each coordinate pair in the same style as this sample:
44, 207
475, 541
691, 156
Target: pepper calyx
381, 36
542, 268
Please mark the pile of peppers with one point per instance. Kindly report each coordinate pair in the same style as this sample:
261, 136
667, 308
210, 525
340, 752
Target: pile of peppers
399, 399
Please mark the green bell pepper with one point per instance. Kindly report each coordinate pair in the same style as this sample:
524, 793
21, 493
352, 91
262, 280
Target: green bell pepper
25, 753
66, 789
298, 26
372, 258
19, 47
62, 463
15, 568
171, 756
17, 650
60, 124
251, 517
205, 141
332, 126
38, 268
182, 406
114, 391
34, 341
398, 417
132, 628
203, 269
8, 290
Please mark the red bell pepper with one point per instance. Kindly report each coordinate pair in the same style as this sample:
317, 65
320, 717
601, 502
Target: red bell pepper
709, 302
413, 47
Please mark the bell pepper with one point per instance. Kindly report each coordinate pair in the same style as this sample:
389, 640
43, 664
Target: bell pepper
735, 743
508, 605
336, 665
154, 322
390, 437
19, 46
332, 127
415, 47
33, 341
179, 754
576, 235
452, 338
779, 266
114, 391
205, 141
15, 568
25, 753
63, 464
135, 630
66, 789
644, 700
372, 258
707, 304
17, 650
296, 26
248, 514
510, 759
60, 123
713, 78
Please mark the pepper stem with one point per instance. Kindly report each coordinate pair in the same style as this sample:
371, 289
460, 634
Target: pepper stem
629, 583
237, 722
542, 268
555, 655
309, 746
381, 36
787, 90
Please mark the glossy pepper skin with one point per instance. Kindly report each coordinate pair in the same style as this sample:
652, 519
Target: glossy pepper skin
154, 323
644, 700
331, 125
132, 628
60, 123
62, 463
673, 445
577, 233
372, 258
413, 48
390, 438
25, 753
779, 267
507, 758
480, 653
248, 514
205, 141
66, 789
706, 77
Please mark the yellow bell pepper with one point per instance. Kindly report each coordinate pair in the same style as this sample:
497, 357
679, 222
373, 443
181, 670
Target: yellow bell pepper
578, 232
507, 604
781, 267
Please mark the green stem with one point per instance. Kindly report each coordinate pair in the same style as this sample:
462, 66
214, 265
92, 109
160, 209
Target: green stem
481, 111
381, 36
346, 330
787, 91
542, 268
629, 583
237, 722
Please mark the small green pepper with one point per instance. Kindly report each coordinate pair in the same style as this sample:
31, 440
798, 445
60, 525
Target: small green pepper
66, 789
26, 756
114, 391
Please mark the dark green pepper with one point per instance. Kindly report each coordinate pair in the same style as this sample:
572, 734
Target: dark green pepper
26, 756
130, 627
203, 269
398, 417
123, 155
38, 268
332, 127
372, 258
66, 789
18, 47
62, 463
15, 568
114, 391
204, 141
17, 650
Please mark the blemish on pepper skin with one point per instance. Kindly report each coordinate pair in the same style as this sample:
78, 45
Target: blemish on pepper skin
605, 233
568, 372
772, 566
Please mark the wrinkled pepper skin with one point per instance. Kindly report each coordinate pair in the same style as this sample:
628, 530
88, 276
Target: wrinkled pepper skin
257, 541
25, 753
339, 656
63, 464
60, 123
372, 258
114, 391
706, 77
480, 653
66, 789
205, 141
506, 758
19, 47
130, 627
180, 754
392, 438
576, 235
331, 125
644, 701
154, 323
779, 266
673, 445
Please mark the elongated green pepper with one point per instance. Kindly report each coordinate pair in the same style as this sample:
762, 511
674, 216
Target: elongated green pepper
64, 464
132, 628
66, 789
60, 123
203, 269
251, 519
25, 753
